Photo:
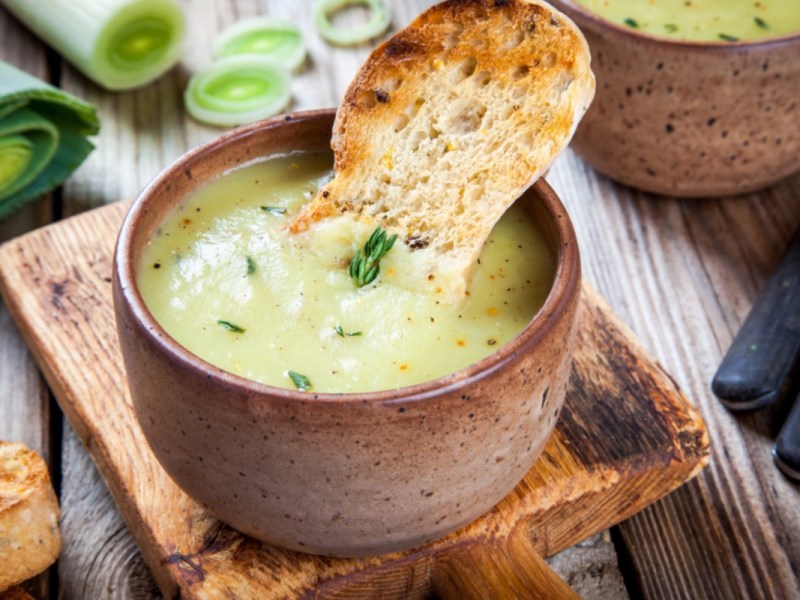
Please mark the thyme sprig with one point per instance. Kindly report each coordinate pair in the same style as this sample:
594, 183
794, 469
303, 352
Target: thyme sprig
364, 267
300, 381
274, 210
342, 333
230, 326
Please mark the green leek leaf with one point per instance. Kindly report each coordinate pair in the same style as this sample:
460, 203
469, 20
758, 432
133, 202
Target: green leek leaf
43, 134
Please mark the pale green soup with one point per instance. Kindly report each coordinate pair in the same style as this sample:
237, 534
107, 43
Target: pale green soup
225, 279
703, 20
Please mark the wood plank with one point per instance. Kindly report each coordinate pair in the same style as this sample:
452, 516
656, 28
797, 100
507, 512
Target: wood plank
626, 437
24, 397
683, 274
24, 400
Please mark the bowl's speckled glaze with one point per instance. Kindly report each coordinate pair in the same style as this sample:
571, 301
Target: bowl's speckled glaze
344, 475
689, 119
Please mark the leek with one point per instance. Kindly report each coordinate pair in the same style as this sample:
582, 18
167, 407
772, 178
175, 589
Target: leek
238, 89
119, 44
275, 39
43, 134
378, 22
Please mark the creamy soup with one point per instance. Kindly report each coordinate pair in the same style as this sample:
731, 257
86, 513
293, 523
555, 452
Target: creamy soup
703, 20
225, 279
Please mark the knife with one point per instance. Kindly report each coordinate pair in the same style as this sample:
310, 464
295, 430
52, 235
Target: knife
767, 347
787, 447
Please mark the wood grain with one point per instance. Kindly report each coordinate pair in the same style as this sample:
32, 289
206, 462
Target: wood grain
24, 397
626, 437
683, 274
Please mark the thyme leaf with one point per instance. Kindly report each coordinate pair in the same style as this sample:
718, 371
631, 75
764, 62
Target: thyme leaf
300, 381
274, 210
251, 265
728, 38
671, 27
761, 22
364, 267
230, 326
343, 333
631, 23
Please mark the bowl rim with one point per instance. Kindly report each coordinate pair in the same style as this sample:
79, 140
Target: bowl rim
722, 46
566, 286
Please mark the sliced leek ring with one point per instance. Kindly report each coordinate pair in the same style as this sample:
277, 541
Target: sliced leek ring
275, 39
238, 89
378, 22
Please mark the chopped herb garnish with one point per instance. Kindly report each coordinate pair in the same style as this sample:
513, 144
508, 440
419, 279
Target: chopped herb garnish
274, 210
301, 382
671, 27
631, 23
761, 22
230, 326
364, 268
343, 333
728, 38
251, 265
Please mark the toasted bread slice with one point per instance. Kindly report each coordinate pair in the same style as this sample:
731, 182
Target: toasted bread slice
450, 120
29, 536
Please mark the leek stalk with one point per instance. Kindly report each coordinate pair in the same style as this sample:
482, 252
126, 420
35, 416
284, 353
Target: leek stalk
119, 44
43, 134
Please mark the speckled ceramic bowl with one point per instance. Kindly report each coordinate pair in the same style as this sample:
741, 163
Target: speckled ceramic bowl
689, 118
340, 474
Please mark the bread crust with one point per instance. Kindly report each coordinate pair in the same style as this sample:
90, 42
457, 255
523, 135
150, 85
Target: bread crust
451, 119
29, 537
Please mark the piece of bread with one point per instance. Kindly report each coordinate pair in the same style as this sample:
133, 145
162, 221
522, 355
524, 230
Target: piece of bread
29, 514
450, 120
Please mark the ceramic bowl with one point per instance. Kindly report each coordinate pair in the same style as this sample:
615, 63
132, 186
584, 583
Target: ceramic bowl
688, 118
340, 474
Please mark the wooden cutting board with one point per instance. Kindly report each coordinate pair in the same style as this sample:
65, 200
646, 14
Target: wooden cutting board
626, 437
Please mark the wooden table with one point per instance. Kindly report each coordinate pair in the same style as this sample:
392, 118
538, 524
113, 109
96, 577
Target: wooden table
681, 273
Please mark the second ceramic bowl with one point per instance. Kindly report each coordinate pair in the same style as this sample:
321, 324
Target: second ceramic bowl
689, 119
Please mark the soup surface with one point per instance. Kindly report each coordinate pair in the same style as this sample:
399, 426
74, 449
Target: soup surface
703, 20
224, 278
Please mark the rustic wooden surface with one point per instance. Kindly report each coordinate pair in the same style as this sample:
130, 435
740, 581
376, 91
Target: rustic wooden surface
681, 274
626, 437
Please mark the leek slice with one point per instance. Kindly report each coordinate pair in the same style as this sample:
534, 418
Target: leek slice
119, 44
378, 22
237, 90
275, 39
43, 134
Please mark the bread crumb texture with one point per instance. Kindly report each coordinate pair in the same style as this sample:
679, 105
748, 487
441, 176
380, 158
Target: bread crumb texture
450, 120
29, 514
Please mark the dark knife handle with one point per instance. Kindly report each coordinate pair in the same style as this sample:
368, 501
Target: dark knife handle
768, 344
787, 447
